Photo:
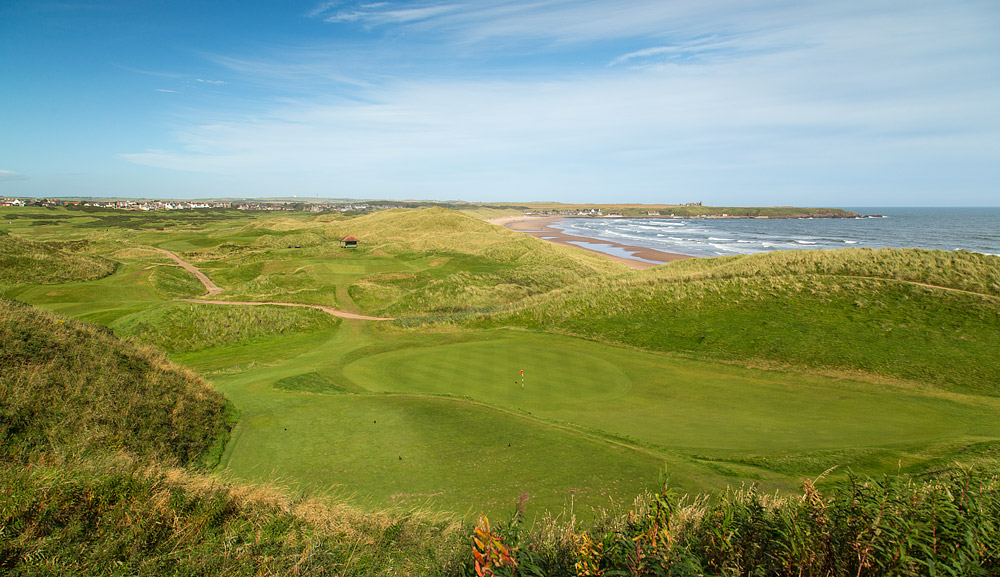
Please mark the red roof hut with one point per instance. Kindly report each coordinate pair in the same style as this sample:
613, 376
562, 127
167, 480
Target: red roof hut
348, 242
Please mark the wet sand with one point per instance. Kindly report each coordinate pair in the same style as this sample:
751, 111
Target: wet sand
538, 226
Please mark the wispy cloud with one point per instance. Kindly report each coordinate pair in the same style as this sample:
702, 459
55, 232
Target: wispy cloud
323, 7
215, 82
382, 13
164, 90
10, 176
713, 96
548, 21
695, 51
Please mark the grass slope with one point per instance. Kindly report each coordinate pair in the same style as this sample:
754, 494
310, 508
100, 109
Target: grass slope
120, 517
25, 261
477, 265
187, 327
851, 310
75, 388
86, 421
331, 408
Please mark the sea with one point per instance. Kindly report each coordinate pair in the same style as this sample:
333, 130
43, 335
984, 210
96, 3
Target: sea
971, 229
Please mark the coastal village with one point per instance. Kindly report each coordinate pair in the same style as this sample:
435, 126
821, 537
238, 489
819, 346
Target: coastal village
300, 205
158, 205
353, 207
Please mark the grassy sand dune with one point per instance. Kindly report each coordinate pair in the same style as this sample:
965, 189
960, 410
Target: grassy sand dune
26, 261
69, 386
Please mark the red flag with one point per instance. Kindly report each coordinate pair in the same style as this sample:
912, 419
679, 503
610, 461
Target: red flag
522, 371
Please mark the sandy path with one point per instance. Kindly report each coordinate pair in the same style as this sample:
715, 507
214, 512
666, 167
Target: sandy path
211, 288
915, 283
538, 226
327, 310
214, 289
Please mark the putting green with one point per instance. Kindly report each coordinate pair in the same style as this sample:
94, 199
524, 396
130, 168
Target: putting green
522, 371
670, 402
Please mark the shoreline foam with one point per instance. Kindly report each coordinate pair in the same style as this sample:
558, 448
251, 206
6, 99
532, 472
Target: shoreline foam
538, 227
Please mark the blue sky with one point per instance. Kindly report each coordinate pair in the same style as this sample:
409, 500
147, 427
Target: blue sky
855, 103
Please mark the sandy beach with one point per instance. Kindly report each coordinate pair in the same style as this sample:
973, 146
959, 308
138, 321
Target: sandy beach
538, 226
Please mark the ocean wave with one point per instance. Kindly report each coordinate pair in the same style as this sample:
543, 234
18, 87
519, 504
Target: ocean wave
924, 229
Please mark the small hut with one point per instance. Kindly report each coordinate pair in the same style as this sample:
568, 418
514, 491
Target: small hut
348, 242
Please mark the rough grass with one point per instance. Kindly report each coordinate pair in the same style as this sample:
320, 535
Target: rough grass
175, 282
309, 383
409, 262
962, 270
187, 327
115, 516
24, 261
891, 526
480, 265
71, 388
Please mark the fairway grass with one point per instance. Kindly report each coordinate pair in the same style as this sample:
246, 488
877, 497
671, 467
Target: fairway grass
593, 423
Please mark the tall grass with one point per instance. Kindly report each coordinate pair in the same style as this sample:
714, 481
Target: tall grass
484, 265
187, 327
118, 516
69, 388
889, 526
24, 261
962, 270
92, 430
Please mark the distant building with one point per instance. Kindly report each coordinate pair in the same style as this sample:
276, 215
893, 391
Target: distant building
349, 242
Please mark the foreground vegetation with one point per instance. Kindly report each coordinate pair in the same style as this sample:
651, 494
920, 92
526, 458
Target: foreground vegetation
74, 389
885, 526
388, 439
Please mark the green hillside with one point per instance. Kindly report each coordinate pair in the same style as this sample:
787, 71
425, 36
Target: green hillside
27, 261
189, 327
409, 262
850, 311
71, 388
475, 265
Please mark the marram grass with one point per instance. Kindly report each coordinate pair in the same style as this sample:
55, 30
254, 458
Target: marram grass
26, 261
72, 388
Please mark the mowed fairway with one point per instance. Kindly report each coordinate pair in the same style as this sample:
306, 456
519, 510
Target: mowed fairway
442, 421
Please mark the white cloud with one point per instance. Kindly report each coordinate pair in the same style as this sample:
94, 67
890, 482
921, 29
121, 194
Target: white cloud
215, 82
708, 96
10, 176
323, 7
380, 14
164, 90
